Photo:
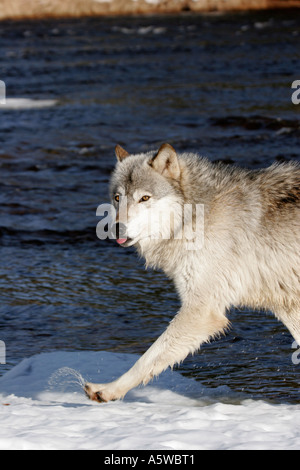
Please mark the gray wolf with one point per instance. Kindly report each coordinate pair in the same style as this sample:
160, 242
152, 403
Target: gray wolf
249, 254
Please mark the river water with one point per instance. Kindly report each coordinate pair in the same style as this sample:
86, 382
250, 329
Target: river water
219, 85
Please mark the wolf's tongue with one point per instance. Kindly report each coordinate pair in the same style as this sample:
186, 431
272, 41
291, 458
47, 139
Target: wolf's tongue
121, 240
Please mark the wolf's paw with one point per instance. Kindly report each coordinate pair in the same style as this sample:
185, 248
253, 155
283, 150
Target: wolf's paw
98, 393
95, 396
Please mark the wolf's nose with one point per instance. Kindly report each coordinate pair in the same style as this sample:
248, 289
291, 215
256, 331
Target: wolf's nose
121, 236
120, 231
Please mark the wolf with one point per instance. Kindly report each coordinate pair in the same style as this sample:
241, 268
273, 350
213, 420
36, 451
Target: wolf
248, 255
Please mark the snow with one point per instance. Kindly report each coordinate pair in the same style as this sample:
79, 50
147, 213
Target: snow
42, 406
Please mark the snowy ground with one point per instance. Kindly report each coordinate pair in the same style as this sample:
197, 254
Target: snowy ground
42, 406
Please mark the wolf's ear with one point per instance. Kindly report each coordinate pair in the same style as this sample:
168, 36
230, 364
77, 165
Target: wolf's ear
120, 153
166, 163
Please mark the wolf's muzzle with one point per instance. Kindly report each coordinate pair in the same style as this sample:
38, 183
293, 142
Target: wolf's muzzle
120, 232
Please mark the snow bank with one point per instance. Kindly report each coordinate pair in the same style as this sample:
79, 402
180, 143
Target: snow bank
42, 406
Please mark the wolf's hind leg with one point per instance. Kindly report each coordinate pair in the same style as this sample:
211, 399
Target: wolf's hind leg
183, 336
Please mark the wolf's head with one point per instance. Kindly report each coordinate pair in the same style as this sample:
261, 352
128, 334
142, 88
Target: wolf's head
145, 191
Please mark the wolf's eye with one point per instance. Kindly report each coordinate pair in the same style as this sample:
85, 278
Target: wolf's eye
117, 198
144, 198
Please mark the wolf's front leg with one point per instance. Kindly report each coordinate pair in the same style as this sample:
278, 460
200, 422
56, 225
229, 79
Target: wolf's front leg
184, 335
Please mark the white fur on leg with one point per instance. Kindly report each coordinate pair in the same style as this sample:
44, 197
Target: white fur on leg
181, 338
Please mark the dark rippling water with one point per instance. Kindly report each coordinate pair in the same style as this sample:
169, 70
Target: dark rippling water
217, 85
